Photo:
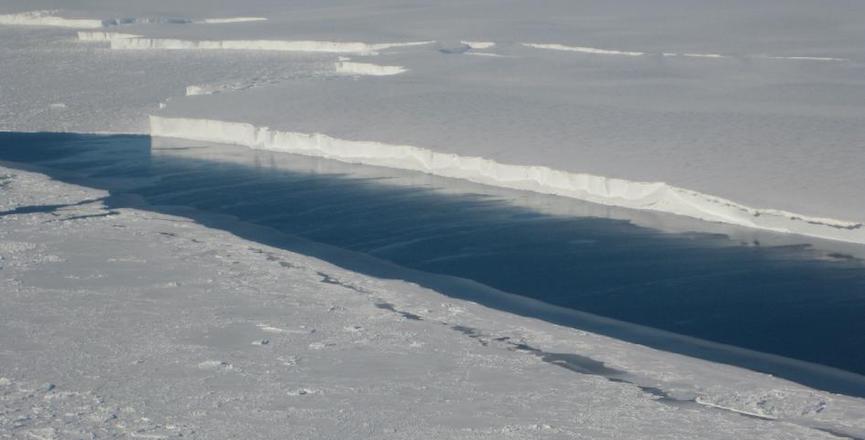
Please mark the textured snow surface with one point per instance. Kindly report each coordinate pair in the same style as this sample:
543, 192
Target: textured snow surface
126, 323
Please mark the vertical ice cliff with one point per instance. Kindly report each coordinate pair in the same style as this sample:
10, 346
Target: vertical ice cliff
48, 18
655, 196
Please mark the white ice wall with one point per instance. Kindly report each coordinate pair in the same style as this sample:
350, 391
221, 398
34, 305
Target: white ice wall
269, 45
655, 196
47, 18
368, 69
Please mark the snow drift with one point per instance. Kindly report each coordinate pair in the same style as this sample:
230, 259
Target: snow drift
655, 196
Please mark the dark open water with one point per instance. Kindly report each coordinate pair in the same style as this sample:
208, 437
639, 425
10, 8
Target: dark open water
764, 292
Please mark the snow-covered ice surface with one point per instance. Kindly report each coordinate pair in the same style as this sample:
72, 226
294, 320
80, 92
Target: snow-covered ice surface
747, 112
108, 91
756, 119
129, 323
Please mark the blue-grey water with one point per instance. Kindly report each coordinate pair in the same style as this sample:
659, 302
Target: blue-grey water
763, 292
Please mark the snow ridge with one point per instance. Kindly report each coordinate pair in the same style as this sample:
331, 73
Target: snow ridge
654, 196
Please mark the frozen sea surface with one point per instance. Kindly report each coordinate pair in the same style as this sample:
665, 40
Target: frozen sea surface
759, 291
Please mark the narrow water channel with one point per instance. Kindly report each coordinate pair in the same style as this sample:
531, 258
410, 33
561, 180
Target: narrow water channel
764, 292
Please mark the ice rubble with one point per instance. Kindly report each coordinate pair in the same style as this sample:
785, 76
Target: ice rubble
655, 196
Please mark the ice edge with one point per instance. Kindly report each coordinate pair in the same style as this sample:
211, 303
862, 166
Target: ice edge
654, 196
134, 42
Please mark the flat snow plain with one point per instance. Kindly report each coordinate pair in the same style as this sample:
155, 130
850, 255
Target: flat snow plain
761, 105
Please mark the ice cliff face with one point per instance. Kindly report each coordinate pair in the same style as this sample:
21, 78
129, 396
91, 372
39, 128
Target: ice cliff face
655, 196
352, 68
269, 45
48, 18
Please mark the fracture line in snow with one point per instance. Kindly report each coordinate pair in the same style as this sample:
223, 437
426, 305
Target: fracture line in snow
583, 49
230, 20
487, 54
597, 51
804, 58
702, 55
701, 401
